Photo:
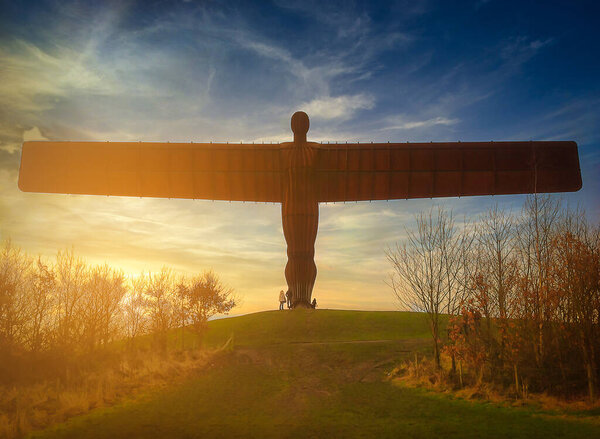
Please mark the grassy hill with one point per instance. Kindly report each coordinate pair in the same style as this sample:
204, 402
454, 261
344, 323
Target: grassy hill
313, 373
275, 327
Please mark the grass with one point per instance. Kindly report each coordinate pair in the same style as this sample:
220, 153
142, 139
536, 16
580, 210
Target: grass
25, 407
273, 327
291, 374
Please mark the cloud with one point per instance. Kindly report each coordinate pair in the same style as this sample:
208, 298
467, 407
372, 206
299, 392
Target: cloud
400, 123
522, 48
10, 143
33, 79
33, 134
564, 120
339, 107
314, 78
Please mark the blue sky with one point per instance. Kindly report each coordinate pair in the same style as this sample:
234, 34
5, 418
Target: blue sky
236, 71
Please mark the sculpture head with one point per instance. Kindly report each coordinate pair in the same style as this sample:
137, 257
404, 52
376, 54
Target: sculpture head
300, 125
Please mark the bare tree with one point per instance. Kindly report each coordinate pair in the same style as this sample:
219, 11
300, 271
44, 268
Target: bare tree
104, 290
182, 307
207, 296
160, 292
135, 305
426, 268
71, 275
540, 217
41, 302
458, 255
497, 258
14, 267
495, 277
577, 277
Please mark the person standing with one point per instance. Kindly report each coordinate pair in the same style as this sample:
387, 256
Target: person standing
288, 295
281, 300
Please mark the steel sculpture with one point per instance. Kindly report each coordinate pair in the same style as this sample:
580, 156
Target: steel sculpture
299, 175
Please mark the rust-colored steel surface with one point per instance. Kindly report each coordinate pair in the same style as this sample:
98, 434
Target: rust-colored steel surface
213, 171
299, 175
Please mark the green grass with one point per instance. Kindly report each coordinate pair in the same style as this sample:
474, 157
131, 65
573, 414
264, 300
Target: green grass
289, 375
273, 327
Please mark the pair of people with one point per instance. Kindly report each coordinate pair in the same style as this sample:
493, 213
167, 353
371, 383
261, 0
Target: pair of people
287, 297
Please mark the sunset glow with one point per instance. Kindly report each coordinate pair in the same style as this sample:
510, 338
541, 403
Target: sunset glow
230, 73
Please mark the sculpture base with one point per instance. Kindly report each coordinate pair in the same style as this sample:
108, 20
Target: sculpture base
303, 305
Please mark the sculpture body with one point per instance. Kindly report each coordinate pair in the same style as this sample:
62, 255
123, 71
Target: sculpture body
300, 212
299, 175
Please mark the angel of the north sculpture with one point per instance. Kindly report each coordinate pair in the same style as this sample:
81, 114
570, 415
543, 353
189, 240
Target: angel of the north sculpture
299, 175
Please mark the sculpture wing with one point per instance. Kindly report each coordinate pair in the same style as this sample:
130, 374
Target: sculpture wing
213, 171
385, 171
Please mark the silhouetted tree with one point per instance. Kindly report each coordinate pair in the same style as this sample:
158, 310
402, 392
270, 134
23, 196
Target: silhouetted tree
539, 219
71, 276
160, 291
135, 306
14, 268
206, 296
42, 298
101, 305
576, 275
426, 268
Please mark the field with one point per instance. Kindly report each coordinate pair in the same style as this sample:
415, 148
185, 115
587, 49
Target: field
307, 373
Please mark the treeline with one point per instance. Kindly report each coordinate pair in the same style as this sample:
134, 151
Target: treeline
522, 292
53, 313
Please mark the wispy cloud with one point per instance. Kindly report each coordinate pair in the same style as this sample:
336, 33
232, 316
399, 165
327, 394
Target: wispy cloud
401, 123
522, 48
339, 107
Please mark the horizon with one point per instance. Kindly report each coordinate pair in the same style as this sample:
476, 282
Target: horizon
424, 71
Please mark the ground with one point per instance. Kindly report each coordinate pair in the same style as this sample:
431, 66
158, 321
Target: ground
307, 373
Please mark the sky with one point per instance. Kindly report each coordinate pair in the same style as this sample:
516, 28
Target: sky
236, 71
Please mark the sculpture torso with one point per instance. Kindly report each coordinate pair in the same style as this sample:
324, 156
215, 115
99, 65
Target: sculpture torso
298, 162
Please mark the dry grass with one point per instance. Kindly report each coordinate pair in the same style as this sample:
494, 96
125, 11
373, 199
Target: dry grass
36, 406
421, 372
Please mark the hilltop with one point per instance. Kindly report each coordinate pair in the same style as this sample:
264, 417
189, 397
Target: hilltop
304, 326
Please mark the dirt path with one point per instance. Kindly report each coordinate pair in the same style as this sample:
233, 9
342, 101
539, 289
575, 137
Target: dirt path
341, 342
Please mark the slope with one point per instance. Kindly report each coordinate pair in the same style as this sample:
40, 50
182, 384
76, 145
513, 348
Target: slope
312, 374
